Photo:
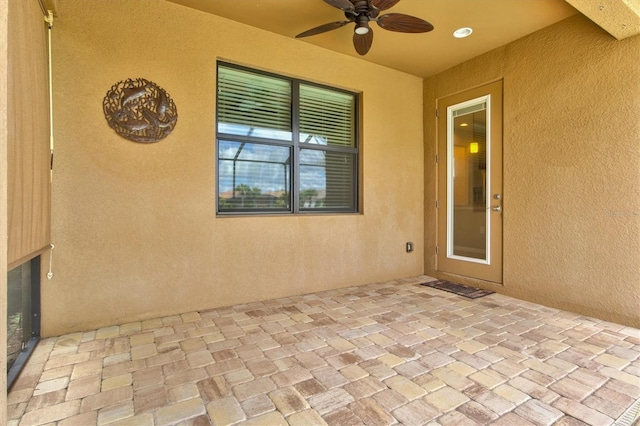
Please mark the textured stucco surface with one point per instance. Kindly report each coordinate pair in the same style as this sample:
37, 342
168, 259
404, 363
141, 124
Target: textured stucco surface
571, 166
134, 225
4, 13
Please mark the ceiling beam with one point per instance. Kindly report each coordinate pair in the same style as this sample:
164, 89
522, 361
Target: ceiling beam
620, 18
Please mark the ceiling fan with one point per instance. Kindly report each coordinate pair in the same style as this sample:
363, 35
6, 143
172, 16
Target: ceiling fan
361, 12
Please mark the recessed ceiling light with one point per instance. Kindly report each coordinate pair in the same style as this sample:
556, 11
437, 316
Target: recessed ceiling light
462, 32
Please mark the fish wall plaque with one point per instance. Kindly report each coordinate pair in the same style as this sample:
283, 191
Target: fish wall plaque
140, 110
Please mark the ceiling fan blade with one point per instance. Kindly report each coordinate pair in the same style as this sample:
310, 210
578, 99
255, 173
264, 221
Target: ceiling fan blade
404, 23
323, 28
384, 4
340, 4
362, 42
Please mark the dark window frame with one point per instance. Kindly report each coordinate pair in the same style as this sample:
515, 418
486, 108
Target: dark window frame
295, 147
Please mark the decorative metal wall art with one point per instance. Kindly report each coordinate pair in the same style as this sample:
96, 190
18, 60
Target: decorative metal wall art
140, 110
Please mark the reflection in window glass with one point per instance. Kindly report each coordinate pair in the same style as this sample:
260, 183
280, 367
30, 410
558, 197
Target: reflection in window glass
253, 176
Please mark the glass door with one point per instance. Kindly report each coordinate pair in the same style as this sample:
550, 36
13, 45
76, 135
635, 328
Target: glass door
470, 183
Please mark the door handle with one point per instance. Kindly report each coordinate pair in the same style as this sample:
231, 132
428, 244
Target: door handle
496, 208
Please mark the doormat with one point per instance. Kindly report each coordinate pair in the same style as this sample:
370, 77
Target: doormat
459, 289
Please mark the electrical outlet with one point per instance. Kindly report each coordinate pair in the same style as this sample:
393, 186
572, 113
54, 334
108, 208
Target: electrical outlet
409, 247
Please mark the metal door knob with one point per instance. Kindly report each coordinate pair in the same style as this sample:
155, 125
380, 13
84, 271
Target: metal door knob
496, 208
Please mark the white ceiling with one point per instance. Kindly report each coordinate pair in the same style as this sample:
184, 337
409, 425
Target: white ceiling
494, 22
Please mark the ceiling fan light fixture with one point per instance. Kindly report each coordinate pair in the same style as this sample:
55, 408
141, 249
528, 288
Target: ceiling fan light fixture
462, 32
362, 25
362, 29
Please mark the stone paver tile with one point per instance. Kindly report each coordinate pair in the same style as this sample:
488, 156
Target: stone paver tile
147, 377
354, 372
306, 418
511, 419
172, 414
22, 395
310, 387
405, 387
330, 400
378, 369
108, 332
436, 360
291, 376
42, 401
56, 373
116, 382
342, 417
590, 378
570, 421
511, 394
342, 360
310, 360
115, 413
143, 351
416, 412
371, 413
446, 399
571, 389
272, 419
538, 412
539, 378
391, 360
261, 367
85, 369
462, 368
455, 418
183, 392
105, 399
288, 400
225, 367
508, 368
150, 398
582, 412
477, 412
188, 376
225, 411
452, 378
390, 399
329, 377
471, 346
605, 406
83, 387
495, 403
542, 367
91, 418
621, 376
202, 420
612, 361
51, 385
488, 378
140, 339
364, 387
257, 406
256, 387
52, 413
199, 358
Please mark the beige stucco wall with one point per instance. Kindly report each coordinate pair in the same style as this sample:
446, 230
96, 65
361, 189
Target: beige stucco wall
4, 13
134, 225
571, 166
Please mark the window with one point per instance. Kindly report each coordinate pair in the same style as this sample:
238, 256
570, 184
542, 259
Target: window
23, 316
284, 145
